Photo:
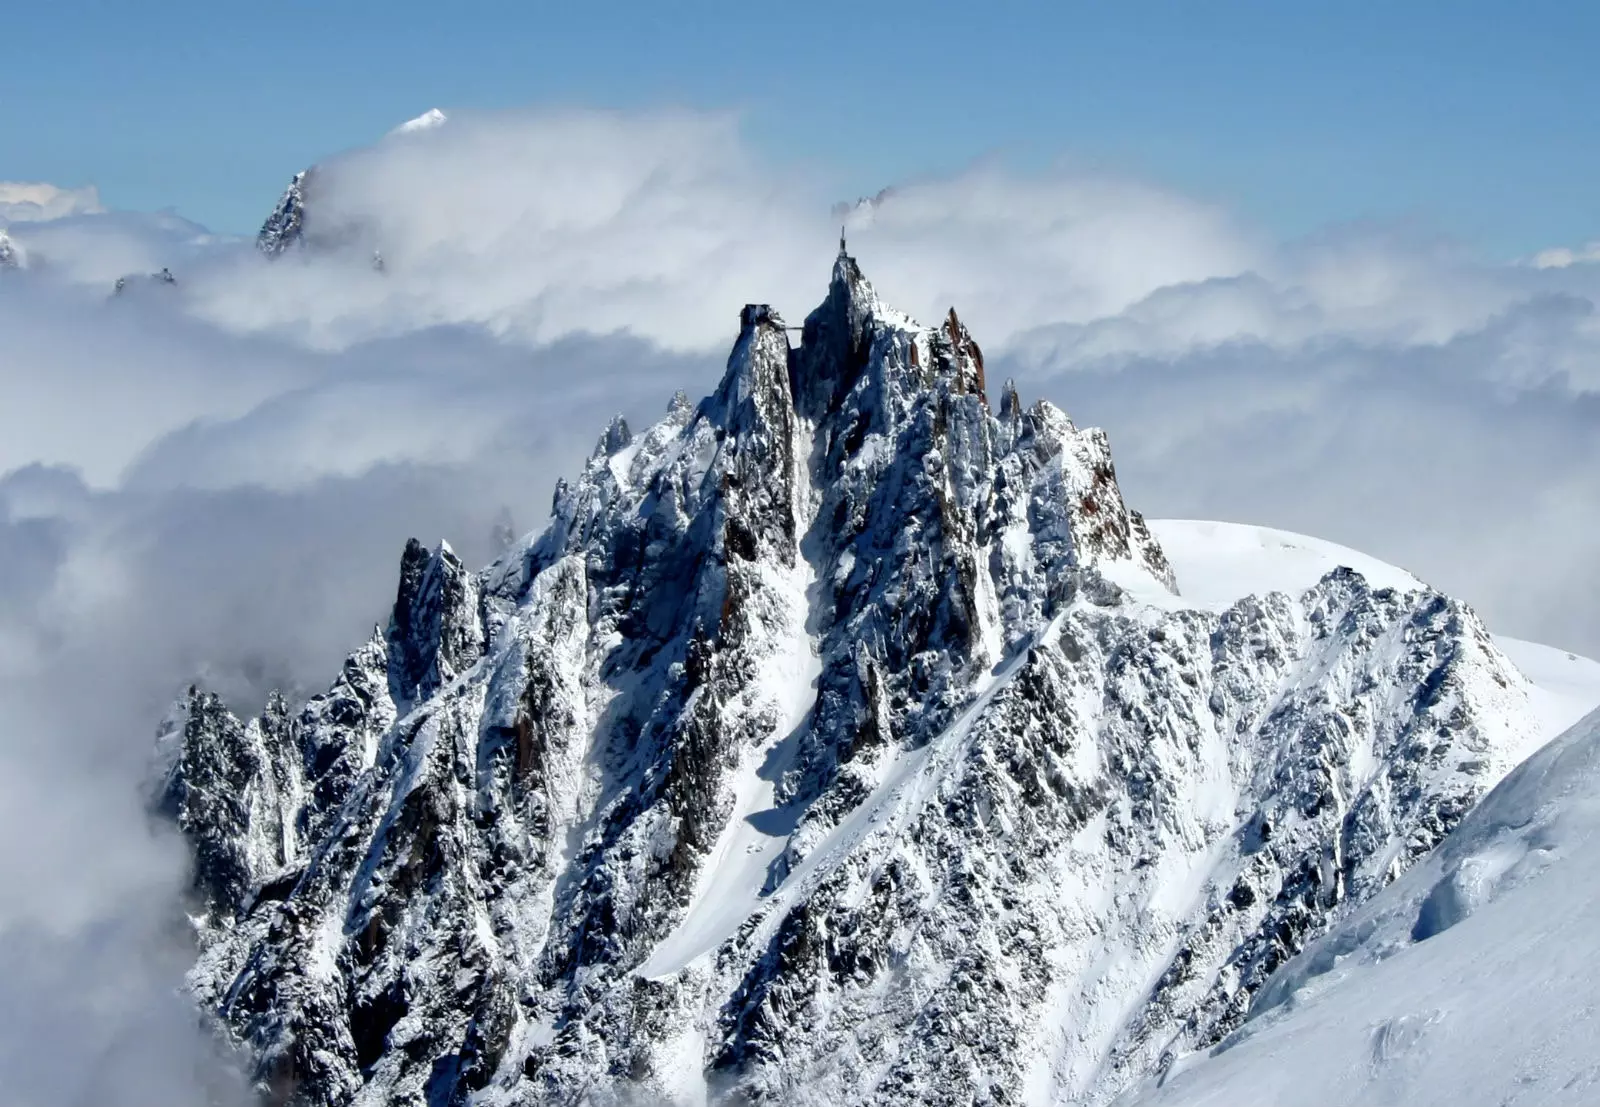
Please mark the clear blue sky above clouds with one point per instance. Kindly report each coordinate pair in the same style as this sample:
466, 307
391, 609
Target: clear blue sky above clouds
1476, 119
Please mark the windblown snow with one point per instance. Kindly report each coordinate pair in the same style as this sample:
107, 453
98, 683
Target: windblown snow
844, 738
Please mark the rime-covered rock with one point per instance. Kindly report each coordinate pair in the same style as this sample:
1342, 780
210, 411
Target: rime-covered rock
814, 753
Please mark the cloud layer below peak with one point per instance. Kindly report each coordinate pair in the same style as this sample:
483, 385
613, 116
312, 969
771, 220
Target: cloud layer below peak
213, 479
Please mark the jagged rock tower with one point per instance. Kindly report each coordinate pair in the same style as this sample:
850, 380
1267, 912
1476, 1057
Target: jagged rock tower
285, 227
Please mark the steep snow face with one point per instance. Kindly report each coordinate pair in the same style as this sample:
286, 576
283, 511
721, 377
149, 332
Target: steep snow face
10, 256
1470, 980
840, 739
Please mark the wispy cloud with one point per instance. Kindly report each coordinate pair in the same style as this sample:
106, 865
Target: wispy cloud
1559, 257
28, 201
544, 225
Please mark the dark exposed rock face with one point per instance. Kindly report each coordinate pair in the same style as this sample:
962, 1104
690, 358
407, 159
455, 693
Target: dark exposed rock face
812, 755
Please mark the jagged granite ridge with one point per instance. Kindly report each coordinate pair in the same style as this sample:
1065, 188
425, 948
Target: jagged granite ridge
808, 756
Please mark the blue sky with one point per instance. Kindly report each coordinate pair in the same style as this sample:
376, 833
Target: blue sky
1478, 120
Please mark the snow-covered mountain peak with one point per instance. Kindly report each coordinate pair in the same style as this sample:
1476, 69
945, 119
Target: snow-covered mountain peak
285, 227
428, 120
10, 256
840, 739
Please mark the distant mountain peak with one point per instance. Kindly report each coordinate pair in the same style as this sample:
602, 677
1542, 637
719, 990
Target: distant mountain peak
285, 228
428, 120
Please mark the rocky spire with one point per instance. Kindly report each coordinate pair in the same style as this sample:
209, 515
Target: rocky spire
836, 337
967, 358
1010, 402
285, 227
434, 632
616, 437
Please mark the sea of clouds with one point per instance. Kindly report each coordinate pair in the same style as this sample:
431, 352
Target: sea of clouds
213, 480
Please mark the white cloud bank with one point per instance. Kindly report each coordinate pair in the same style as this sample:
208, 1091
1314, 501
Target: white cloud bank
542, 226
32, 201
1559, 257
245, 452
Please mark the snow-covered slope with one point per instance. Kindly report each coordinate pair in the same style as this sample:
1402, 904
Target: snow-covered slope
1221, 563
1470, 980
843, 738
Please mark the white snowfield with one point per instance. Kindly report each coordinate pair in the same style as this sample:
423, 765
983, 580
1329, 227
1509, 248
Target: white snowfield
1473, 979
